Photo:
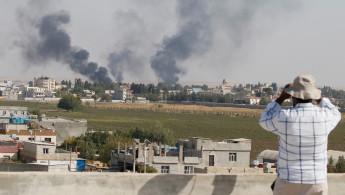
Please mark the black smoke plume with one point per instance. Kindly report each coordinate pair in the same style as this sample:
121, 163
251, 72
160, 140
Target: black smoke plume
129, 55
194, 36
55, 44
119, 61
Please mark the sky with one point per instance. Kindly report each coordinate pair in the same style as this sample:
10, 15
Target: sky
193, 41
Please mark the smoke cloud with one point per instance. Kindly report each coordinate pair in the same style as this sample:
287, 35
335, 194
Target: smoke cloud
53, 43
130, 48
194, 36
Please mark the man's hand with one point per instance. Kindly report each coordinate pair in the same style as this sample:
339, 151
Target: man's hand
319, 100
283, 96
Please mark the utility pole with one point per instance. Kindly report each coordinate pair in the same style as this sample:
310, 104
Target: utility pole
70, 160
134, 155
144, 157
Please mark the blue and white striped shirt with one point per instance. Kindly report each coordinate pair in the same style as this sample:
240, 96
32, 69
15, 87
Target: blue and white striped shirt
303, 134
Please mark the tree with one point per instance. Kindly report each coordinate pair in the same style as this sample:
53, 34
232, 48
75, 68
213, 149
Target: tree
340, 166
110, 144
106, 98
330, 165
69, 102
263, 101
149, 169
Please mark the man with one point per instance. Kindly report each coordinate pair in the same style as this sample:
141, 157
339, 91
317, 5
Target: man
303, 133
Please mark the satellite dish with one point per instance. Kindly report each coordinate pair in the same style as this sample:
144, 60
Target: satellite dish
43, 116
13, 115
13, 136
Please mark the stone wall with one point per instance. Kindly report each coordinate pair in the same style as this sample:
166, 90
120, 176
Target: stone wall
18, 167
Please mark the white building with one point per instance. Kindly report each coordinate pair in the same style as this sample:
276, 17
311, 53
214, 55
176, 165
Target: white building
190, 154
46, 154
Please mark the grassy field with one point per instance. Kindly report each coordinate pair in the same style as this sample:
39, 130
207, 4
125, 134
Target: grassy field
217, 123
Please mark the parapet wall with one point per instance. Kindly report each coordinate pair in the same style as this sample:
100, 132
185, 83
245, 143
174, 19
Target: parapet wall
129, 183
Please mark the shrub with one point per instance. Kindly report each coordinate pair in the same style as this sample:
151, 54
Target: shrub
340, 166
149, 169
69, 102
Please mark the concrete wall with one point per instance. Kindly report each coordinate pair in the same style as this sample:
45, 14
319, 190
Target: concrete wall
125, 183
65, 127
5, 111
14, 126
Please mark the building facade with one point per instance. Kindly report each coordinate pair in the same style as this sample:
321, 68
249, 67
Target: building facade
46, 154
5, 113
189, 154
8, 151
45, 82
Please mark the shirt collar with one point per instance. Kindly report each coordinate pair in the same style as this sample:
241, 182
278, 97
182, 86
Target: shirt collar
304, 105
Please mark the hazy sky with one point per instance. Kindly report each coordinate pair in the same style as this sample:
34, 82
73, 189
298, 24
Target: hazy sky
184, 40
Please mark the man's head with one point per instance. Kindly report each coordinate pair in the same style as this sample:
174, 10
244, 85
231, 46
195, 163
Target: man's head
303, 89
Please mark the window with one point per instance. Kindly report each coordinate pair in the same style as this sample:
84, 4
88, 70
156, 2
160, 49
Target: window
232, 157
31, 139
188, 169
4, 112
45, 150
165, 169
211, 160
48, 140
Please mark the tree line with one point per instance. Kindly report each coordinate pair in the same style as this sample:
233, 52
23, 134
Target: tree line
99, 144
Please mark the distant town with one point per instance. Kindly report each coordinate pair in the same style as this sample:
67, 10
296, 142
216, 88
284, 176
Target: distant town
31, 141
47, 89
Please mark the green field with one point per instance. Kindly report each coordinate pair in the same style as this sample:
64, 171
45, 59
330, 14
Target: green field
183, 125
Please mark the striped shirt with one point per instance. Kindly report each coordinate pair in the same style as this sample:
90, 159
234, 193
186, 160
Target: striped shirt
303, 134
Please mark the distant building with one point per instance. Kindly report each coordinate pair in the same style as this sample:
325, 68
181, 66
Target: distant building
225, 87
29, 131
122, 93
195, 153
8, 151
11, 93
248, 100
5, 113
46, 154
34, 92
89, 93
67, 127
45, 82
252, 100
141, 100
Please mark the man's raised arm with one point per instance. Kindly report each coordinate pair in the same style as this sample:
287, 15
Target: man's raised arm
269, 116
